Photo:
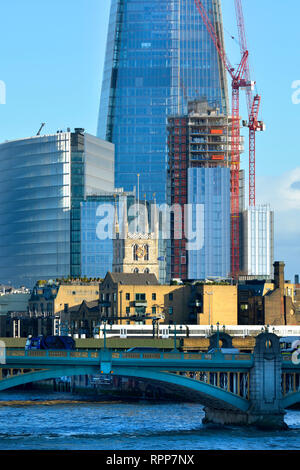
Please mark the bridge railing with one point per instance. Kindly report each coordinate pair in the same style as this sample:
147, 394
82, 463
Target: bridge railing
49, 353
179, 356
94, 354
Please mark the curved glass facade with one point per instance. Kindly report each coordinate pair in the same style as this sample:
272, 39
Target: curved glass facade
35, 204
159, 55
43, 179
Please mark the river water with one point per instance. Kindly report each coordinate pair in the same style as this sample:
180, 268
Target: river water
38, 420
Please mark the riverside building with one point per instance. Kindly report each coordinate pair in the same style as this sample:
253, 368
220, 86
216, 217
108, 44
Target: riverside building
43, 180
135, 298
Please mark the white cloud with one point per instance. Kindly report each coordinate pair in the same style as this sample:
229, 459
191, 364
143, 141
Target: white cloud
283, 194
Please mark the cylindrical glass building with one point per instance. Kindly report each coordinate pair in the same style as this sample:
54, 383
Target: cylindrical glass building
43, 180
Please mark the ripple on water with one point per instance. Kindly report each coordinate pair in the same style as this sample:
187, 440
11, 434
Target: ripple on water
66, 424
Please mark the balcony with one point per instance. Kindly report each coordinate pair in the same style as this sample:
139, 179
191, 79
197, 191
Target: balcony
140, 303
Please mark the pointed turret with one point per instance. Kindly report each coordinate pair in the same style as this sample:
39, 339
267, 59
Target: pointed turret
155, 220
124, 225
116, 221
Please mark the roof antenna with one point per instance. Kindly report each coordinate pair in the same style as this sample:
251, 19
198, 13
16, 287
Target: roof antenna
42, 125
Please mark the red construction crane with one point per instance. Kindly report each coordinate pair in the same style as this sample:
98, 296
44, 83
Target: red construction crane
239, 80
253, 104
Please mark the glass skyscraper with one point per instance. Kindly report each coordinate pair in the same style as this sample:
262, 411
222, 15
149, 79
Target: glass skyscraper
257, 242
97, 244
43, 179
159, 56
210, 188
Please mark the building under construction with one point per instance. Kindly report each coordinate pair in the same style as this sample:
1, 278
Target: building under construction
147, 77
199, 179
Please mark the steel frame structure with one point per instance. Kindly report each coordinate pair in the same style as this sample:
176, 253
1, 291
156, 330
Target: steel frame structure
239, 80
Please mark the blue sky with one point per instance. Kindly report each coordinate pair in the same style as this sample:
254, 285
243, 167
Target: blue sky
52, 55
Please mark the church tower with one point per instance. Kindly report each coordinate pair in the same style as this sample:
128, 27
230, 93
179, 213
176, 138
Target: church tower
136, 244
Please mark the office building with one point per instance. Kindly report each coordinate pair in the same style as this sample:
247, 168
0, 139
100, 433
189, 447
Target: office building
98, 230
43, 180
159, 56
199, 145
257, 242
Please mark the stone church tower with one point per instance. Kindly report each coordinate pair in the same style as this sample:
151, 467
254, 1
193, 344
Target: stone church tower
136, 248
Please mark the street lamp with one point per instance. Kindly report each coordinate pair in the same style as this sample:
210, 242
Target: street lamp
104, 334
153, 327
175, 349
218, 336
121, 306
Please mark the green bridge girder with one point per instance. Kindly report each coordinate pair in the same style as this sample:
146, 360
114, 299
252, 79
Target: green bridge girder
158, 367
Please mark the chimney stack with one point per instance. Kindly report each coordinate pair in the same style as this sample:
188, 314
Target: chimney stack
279, 275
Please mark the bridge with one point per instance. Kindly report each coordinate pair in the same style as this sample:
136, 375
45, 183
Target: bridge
235, 388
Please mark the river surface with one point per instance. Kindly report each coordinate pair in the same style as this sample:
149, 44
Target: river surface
38, 420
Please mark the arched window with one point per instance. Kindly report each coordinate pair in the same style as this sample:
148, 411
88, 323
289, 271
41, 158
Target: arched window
146, 252
146, 271
135, 252
136, 270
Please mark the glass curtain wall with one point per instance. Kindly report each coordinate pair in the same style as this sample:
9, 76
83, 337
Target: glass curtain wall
92, 170
96, 254
35, 203
210, 187
258, 241
158, 56
43, 180
97, 229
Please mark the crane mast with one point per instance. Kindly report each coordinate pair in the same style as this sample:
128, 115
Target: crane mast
239, 80
253, 105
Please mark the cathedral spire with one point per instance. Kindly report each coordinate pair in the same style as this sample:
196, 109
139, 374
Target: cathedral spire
116, 219
154, 218
124, 229
145, 214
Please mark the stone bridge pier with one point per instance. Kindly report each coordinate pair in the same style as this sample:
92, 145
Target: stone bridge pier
265, 393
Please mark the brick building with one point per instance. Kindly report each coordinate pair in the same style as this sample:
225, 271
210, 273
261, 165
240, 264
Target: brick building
269, 303
138, 298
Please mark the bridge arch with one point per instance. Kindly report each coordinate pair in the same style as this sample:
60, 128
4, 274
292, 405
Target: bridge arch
45, 374
206, 394
291, 399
